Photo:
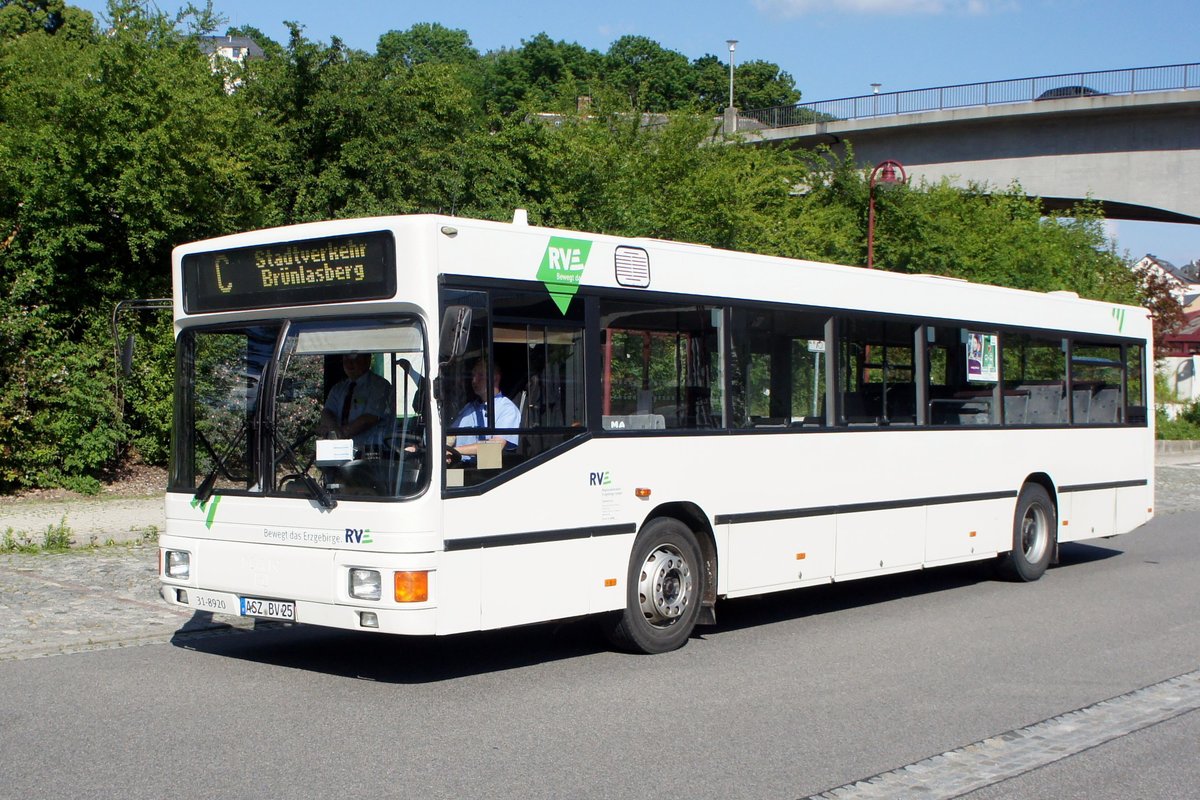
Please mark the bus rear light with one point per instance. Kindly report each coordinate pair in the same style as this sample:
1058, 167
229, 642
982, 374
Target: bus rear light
412, 587
642, 493
178, 564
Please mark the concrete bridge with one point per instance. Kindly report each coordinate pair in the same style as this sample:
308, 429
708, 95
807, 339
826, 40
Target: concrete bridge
1129, 139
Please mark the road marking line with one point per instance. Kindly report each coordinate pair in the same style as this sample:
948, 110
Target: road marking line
1016, 752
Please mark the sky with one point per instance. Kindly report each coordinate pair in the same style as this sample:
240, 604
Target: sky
832, 48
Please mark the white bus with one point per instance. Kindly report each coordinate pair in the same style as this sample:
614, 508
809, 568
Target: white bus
674, 424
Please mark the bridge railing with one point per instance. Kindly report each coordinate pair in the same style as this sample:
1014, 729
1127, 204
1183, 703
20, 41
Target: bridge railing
1018, 90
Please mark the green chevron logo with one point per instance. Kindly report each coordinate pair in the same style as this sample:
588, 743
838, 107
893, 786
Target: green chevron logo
561, 270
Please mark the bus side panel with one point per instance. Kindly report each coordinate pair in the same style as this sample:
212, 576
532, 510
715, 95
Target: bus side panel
606, 579
965, 531
879, 541
1092, 514
459, 601
1134, 506
534, 582
780, 554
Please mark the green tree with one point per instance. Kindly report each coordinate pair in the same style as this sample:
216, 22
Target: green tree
541, 75
426, 43
19, 17
112, 149
998, 237
650, 76
757, 84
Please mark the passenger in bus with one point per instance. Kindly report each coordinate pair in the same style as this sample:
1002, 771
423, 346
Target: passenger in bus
358, 406
474, 413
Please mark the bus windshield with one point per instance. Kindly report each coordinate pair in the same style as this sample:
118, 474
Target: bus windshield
254, 400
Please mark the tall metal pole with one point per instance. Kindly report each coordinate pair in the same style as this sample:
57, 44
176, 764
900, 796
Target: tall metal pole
732, 46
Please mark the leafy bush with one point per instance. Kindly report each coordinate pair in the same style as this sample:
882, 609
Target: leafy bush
57, 419
1185, 426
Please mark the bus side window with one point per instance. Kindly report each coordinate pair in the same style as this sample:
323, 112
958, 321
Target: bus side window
962, 376
662, 361
777, 369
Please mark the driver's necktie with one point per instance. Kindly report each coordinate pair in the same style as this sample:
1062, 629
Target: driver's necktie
346, 404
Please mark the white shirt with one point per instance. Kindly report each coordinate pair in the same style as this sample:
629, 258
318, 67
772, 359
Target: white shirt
372, 395
474, 415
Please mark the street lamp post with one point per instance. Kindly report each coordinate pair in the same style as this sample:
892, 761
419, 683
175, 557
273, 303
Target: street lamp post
732, 46
884, 172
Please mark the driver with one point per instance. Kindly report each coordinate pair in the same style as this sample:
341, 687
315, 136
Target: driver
474, 413
359, 406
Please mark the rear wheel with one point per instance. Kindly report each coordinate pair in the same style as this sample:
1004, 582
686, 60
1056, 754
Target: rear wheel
1034, 526
663, 589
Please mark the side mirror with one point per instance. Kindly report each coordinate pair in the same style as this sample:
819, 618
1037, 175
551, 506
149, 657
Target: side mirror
456, 328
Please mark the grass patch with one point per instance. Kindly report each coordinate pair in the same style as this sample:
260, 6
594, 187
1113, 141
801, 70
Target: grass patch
57, 538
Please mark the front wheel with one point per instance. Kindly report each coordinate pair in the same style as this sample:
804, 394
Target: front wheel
663, 590
1034, 527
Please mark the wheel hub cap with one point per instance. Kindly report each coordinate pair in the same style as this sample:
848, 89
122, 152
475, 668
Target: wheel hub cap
665, 587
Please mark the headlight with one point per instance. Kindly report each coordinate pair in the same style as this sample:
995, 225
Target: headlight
179, 564
365, 584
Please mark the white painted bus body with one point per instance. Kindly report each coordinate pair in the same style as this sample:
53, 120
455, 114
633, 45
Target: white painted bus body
785, 510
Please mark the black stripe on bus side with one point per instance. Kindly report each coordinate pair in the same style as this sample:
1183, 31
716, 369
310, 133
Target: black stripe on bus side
537, 537
1095, 487
851, 508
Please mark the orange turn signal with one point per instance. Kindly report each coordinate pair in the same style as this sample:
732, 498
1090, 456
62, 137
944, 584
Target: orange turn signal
412, 587
610, 582
642, 493
801, 556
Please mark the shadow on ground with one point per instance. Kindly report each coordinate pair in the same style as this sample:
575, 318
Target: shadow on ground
405, 660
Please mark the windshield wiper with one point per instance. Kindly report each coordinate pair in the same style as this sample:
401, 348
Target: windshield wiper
208, 485
319, 492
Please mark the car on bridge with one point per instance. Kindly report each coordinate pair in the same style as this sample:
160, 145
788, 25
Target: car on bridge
1069, 91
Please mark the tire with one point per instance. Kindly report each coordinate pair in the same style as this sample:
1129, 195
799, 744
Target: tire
663, 590
1035, 525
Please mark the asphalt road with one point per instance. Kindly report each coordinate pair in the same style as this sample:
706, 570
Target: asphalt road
789, 696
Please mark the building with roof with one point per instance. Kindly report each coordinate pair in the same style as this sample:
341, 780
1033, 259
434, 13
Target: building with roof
1184, 286
238, 49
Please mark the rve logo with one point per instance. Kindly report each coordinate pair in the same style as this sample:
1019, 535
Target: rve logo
565, 258
599, 478
359, 536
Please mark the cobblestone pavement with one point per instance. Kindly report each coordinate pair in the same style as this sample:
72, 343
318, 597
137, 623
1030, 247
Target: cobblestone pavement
91, 521
984, 763
86, 600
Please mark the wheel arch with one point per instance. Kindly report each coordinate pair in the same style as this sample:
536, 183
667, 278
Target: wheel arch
697, 521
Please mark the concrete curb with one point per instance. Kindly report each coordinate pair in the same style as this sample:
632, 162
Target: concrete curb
1172, 447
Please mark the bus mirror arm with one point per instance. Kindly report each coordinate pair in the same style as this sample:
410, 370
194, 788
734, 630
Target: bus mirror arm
456, 328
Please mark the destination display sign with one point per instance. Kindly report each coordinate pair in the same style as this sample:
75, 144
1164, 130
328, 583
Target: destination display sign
360, 266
